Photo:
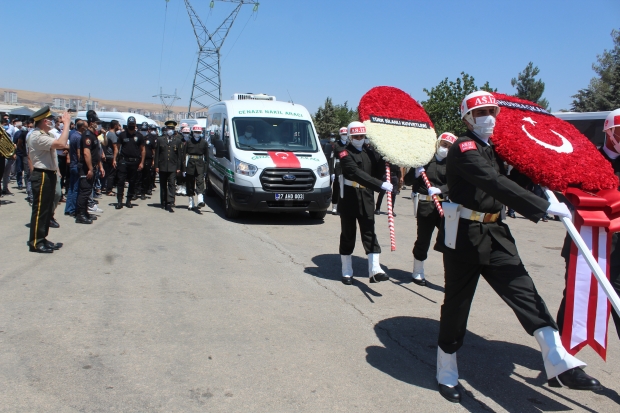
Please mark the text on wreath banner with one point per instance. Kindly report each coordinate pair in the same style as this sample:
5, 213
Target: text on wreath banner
522, 106
399, 122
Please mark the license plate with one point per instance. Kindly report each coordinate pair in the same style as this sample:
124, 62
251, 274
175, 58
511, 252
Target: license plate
289, 197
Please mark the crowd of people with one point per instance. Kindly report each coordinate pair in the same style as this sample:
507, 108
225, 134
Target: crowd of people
77, 162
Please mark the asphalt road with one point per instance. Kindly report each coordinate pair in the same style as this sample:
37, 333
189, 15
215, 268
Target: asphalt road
148, 311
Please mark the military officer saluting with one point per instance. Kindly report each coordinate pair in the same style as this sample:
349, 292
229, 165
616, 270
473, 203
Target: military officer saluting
360, 167
196, 154
168, 162
477, 242
426, 214
129, 154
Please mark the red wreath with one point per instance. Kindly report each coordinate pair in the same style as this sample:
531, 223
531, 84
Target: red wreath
391, 102
549, 150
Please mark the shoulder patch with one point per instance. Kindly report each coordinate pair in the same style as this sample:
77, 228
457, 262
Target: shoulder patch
87, 141
342, 154
467, 146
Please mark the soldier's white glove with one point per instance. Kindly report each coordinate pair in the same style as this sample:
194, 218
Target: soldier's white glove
418, 171
434, 191
560, 209
333, 177
386, 186
184, 173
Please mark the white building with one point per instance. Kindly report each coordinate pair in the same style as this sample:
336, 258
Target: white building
10, 97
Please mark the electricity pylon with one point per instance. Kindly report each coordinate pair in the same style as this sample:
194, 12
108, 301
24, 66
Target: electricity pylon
167, 101
208, 79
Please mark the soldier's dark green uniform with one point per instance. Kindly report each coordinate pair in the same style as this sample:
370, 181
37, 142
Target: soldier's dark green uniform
168, 161
196, 152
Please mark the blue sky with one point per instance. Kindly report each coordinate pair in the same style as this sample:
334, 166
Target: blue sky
310, 48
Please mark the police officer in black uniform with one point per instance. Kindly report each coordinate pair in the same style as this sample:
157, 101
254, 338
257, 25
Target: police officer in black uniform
196, 155
128, 159
427, 216
90, 158
149, 150
168, 163
360, 167
484, 246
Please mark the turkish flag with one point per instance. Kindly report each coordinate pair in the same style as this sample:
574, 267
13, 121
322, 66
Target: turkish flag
549, 150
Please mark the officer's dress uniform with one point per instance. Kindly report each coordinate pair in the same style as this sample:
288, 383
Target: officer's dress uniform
182, 190
614, 258
196, 152
146, 180
129, 158
85, 186
43, 180
360, 169
427, 216
336, 170
168, 159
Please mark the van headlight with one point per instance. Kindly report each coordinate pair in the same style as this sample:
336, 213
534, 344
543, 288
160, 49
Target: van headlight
323, 170
244, 168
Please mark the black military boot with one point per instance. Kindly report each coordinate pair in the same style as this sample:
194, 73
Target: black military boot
83, 219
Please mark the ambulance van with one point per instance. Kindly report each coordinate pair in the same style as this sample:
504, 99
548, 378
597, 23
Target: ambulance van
265, 156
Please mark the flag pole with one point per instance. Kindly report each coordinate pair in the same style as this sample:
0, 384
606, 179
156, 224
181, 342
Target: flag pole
599, 274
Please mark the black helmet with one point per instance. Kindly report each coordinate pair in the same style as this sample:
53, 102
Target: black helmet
144, 126
131, 119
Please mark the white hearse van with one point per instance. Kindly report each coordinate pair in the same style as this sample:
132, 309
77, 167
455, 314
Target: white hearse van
266, 156
121, 117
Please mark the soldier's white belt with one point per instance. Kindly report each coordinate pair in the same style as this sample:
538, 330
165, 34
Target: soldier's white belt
353, 184
452, 213
422, 197
467, 213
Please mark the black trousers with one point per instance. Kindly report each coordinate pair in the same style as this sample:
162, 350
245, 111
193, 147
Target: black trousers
167, 189
127, 170
64, 171
614, 279
43, 191
195, 181
145, 178
507, 276
108, 180
426, 227
336, 190
348, 229
85, 189
394, 181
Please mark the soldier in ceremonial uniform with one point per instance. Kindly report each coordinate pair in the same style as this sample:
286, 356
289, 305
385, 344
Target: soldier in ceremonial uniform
42, 148
129, 157
90, 160
610, 151
426, 213
484, 246
360, 167
194, 168
334, 166
168, 162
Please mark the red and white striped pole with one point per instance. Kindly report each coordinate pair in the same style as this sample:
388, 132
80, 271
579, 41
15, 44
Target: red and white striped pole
435, 199
388, 178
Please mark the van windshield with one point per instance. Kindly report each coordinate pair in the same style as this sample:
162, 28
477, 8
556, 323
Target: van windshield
274, 134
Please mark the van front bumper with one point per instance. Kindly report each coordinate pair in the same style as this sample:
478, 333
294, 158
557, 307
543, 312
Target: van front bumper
245, 198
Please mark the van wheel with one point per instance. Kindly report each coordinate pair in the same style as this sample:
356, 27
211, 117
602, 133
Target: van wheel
209, 191
318, 214
229, 210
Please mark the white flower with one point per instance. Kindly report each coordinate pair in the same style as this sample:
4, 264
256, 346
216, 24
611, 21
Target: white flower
403, 146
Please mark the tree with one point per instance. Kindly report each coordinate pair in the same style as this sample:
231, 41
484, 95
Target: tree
528, 87
345, 115
329, 118
602, 92
444, 101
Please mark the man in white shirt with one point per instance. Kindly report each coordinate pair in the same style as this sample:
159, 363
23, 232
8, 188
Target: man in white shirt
248, 138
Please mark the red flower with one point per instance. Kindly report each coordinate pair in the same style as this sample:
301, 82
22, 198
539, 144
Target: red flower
549, 150
391, 102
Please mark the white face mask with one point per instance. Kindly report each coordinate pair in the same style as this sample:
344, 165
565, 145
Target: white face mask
98, 128
484, 126
153, 132
18, 125
367, 141
186, 136
442, 152
52, 124
118, 132
332, 139
30, 129
61, 126
144, 132
357, 143
170, 132
248, 135
343, 139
